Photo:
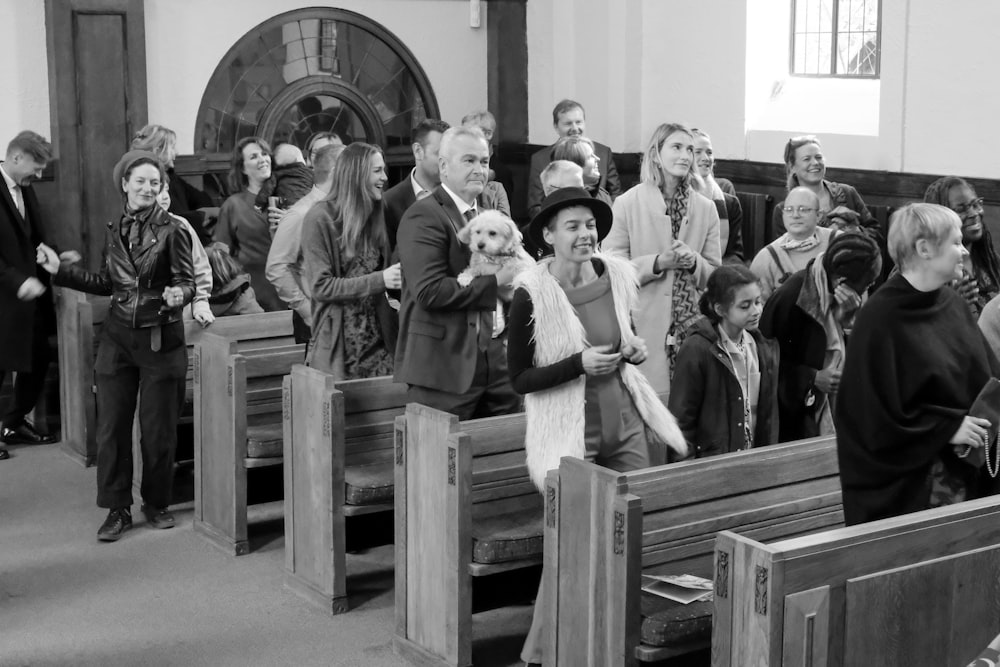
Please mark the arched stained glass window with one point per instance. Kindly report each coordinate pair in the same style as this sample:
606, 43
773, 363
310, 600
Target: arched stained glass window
315, 70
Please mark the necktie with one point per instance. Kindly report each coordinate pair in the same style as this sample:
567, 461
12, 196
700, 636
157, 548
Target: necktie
470, 214
18, 199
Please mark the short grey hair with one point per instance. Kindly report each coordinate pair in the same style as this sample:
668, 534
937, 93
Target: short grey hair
453, 133
914, 222
558, 170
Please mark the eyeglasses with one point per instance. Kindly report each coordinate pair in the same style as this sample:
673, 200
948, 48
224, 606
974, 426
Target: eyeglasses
801, 210
976, 205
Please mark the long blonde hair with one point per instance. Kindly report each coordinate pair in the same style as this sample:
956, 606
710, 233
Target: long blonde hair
363, 224
651, 171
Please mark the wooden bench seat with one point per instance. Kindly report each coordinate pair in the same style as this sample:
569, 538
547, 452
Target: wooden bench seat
465, 508
338, 450
919, 590
238, 399
79, 318
606, 529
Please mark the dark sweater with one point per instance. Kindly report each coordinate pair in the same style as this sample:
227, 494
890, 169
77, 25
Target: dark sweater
915, 363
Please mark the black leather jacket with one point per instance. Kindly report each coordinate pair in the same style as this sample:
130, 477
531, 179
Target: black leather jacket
135, 280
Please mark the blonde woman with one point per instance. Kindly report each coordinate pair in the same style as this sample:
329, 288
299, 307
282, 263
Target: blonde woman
671, 234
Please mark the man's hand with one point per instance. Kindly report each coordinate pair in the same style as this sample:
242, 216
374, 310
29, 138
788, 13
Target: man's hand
635, 351
47, 258
505, 276
30, 289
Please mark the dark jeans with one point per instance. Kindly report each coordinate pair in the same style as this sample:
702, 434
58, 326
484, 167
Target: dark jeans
28, 385
489, 395
130, 372
300, 330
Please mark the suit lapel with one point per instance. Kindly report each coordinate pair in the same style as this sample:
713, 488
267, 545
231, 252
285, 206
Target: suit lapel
8, 200
450, 210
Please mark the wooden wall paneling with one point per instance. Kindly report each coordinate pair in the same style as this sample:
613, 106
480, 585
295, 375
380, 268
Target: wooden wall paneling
807, 628
924, 615
97, 94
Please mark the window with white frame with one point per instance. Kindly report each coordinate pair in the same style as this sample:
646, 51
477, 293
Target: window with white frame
836, 38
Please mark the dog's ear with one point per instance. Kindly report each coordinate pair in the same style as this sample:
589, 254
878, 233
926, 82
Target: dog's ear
465, 234
515, 233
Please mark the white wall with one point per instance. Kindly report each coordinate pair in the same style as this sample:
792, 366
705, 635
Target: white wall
186, 39
24, 77
722, 65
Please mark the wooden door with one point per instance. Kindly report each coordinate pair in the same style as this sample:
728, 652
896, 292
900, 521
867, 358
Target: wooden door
97, 95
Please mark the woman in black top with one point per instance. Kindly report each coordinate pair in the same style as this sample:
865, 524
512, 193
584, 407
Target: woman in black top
148, 273
915, 363
569, 335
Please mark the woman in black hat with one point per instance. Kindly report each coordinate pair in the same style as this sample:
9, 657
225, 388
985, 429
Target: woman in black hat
148, 273
571, 353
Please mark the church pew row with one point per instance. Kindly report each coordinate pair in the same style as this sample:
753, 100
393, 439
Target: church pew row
338, 462
465, 508
921, 590
237, 427
79, 317
605, 530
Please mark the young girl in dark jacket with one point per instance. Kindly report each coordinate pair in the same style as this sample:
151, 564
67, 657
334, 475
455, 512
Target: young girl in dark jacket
724, 393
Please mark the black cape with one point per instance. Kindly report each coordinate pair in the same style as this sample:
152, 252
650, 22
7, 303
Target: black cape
915, 363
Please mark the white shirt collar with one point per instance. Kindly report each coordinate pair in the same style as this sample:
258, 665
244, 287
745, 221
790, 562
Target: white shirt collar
459, 202
415, 184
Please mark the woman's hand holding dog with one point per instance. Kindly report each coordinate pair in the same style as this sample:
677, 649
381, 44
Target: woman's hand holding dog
600, 360
393, 277
505, 280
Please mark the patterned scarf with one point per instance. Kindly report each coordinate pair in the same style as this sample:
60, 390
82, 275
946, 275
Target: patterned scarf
685, 300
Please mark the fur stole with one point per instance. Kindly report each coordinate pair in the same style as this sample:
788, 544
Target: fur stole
555, 416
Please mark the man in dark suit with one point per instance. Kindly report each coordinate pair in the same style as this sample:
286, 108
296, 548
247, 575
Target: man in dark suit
569, 120
448, 351
25, 302
423, 178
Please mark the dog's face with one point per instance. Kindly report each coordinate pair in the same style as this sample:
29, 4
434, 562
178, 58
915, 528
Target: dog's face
491, 235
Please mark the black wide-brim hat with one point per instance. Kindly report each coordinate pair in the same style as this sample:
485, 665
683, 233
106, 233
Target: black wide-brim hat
566, 198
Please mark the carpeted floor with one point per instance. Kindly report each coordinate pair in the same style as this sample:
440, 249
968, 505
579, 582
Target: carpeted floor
170, 598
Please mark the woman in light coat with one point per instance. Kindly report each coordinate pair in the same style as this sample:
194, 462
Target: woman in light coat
671, 234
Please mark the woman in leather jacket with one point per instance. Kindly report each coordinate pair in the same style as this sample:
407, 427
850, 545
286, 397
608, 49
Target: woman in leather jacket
149, 276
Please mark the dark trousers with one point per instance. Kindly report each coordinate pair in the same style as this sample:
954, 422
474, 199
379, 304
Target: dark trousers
130, 372
28, 385
489, 395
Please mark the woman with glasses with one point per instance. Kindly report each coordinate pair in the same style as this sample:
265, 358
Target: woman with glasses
802, 241
811, 316
980, 280
671, 234
805, 167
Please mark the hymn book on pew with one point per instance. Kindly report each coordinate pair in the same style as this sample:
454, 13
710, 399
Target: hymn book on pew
683, 588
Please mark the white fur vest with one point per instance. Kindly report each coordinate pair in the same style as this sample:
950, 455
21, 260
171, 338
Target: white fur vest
555, 417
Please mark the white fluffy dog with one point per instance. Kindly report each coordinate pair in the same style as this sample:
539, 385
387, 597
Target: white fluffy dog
495, 241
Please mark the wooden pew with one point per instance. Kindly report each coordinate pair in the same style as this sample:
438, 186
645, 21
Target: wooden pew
338, 453
464, 508
756, 222
921, 590
237, 427
79, 317
605, 529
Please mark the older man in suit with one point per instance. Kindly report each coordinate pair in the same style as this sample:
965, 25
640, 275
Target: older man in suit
448, 351
423, 178
28, 316
569, 120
